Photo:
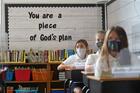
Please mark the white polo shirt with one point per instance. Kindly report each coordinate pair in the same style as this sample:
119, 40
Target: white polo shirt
75, 60
101, 67
91, 60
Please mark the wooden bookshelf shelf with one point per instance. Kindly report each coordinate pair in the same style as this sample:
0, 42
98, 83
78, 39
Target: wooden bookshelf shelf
26, 81
57, 80
57, 89
33, 81
22, 63
12, 62
55, 62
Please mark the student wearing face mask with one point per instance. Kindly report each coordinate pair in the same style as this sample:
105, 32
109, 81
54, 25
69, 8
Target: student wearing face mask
76, 61
91, 59
114, 52
99, 40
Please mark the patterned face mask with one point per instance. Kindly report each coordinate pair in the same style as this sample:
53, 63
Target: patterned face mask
114, 45
99, 44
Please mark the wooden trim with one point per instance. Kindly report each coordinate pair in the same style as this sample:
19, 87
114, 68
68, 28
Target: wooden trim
57, 80
22, 63
26, 81
57, 89
112, 78
55, 62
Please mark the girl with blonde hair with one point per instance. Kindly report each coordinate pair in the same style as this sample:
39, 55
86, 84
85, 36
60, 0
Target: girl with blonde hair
114, 52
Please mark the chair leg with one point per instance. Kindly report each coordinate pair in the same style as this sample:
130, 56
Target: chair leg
67, 83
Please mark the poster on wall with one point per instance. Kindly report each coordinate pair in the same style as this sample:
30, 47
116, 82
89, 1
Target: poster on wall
51, 26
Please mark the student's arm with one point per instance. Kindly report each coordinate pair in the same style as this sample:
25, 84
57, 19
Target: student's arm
98, 68
89, 65
67, 64
62, 66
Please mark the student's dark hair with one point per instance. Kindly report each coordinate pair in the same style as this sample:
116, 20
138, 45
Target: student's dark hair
82, 41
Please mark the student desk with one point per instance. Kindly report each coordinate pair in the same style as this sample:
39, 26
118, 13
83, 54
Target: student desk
114, 85
74, 75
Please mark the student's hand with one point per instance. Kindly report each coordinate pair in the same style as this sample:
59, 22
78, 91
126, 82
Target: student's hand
61, 67
89, 68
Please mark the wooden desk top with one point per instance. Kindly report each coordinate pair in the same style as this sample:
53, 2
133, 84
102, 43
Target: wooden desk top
112, 78
87, 73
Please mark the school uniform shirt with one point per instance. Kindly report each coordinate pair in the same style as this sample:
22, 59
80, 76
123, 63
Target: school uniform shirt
102, 68
75, 60
91, 60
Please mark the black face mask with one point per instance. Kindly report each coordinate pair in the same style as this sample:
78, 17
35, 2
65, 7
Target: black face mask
114, 45
99, 44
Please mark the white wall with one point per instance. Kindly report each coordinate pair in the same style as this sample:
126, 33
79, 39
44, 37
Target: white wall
126, 13
74, 23
0, 25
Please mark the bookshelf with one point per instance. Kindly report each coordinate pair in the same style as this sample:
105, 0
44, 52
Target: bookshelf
42, 84
55, 84
48, 85
47, 60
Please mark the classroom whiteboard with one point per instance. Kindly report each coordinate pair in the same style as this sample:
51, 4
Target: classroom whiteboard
42, 26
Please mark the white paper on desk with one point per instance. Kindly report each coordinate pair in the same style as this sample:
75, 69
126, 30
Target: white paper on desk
126, 71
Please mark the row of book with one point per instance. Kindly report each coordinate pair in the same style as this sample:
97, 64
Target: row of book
35, 55
61, 76
22, 89
13, 56
60, 55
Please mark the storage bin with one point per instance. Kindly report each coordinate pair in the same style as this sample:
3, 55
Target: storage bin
3, 75
10, 89
42, 75
26, 91
22, 74
9, 75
